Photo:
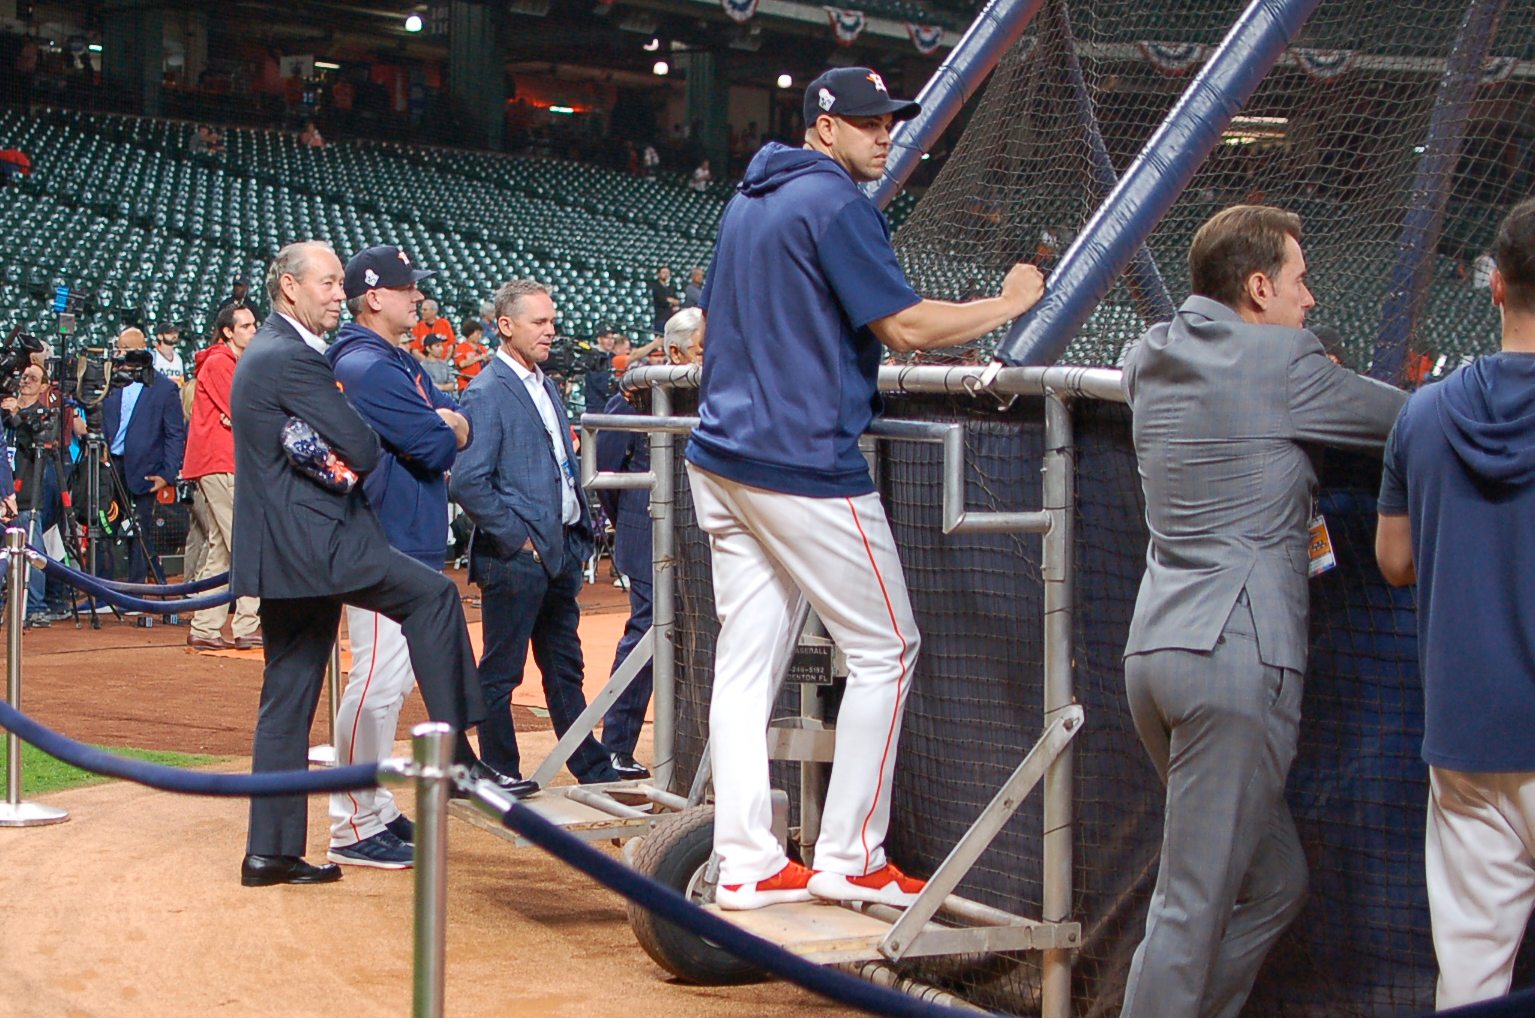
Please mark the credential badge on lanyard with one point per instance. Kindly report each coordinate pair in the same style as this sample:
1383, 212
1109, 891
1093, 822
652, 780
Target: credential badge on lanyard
1320, 546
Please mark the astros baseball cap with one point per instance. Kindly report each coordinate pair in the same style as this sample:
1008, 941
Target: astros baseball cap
380, 267
854, 92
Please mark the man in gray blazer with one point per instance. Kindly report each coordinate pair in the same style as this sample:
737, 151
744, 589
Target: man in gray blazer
519, 481
1224, 397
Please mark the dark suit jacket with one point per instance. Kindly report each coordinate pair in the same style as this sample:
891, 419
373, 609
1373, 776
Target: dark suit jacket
629, 508
293, 538
157, 433
508, 480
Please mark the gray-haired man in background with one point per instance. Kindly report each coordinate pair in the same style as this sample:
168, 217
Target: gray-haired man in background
1223, 397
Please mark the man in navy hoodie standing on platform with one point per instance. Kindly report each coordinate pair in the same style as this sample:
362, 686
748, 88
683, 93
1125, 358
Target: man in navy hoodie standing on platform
421, 432
803, 291
1457, 517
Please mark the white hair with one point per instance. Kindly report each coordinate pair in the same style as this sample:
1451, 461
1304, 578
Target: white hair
292, 260
681, 327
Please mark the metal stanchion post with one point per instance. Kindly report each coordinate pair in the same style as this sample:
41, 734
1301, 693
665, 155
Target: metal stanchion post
14, 812
325, 756
433, 753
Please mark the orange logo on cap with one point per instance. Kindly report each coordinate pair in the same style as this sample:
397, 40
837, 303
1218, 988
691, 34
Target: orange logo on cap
879, 82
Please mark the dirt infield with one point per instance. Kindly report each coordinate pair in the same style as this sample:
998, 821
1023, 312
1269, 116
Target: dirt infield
134, 908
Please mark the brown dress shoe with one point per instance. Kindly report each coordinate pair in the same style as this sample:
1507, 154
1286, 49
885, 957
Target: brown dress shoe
203, 643
251, 642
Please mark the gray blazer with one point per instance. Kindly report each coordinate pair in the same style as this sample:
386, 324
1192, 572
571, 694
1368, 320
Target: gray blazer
1221, 408
507, 479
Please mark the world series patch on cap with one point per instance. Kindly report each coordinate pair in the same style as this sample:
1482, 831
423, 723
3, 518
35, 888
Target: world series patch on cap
854, 92
380, 267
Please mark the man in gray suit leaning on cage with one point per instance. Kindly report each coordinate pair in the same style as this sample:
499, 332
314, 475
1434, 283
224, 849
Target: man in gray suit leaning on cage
1224, 396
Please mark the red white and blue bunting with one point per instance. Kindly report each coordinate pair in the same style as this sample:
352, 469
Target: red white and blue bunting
847, 24
740, 11
926, 38
1498, 70
1323, 64
1173, 58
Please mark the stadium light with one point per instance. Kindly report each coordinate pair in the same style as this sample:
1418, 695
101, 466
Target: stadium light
661, 69
651, 46
561, 109
785, 81
326, 65
413, 23
94, 47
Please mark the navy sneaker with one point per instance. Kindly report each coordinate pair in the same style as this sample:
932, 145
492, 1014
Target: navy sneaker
402, 828
382, 851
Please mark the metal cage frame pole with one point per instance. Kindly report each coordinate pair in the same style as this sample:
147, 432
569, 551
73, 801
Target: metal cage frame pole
432, 752
1056, 572
663, 497
14, 812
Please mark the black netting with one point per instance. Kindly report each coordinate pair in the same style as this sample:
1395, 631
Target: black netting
1336, 136
1358, 788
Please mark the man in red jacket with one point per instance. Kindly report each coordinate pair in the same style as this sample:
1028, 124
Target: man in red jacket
210, 461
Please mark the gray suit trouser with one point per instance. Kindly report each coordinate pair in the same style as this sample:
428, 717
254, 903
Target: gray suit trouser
1221, 729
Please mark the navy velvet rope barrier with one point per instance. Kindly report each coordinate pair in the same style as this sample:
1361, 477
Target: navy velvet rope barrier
674, 908
97, 587
161, 589
174, 779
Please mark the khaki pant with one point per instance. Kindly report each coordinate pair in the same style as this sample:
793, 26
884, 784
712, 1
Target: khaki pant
219, 491
196, 550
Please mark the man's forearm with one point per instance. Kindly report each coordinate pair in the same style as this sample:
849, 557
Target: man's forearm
935, 324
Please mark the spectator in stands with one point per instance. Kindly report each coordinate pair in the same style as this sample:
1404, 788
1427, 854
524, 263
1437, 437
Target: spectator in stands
167, 357
310, 137
695, 287
146, 437
470, 354
1457, 517
488, 322
239, 296
210, 461
1332, 345
431, 322
701, 177
651, 160
664, 301
14, 164
520, 483
1226, 399
199, 144
1482, 268
437, 365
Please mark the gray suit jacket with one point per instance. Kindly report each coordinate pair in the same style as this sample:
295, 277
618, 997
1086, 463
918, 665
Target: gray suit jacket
507, 479
1221, 409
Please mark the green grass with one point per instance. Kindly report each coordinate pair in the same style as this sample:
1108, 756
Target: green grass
41, 773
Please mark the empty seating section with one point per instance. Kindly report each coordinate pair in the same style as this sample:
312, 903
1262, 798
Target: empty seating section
118, 207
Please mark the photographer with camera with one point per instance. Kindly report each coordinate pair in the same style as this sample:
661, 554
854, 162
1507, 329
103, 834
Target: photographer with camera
31, 423
146, 436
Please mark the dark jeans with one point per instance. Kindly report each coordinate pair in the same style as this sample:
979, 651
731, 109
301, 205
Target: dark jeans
297, 637
621, 726
144, 515
521, 602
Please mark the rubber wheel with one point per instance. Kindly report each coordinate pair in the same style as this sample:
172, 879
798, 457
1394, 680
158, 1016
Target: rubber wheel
676, 853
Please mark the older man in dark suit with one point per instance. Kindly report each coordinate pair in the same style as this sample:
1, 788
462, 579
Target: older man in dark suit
518, 481
306, 550
146, 438
1226, 397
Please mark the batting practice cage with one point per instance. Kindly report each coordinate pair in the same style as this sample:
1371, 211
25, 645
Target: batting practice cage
1107, 131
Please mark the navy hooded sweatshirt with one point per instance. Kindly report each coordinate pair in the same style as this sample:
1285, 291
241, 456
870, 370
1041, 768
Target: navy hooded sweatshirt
1460, 464
803, 265
408, 488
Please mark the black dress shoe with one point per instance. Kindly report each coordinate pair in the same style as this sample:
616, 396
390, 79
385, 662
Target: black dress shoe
266, 870
627, 767
512, 784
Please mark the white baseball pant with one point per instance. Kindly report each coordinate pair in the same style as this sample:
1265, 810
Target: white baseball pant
376, 687
1480, 863
769, 551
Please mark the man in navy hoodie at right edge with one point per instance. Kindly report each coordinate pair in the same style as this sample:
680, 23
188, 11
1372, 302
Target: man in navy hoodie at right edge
1457, 516
803, 291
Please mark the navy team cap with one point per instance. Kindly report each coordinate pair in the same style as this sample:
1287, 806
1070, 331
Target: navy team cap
854, 92
380, 267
